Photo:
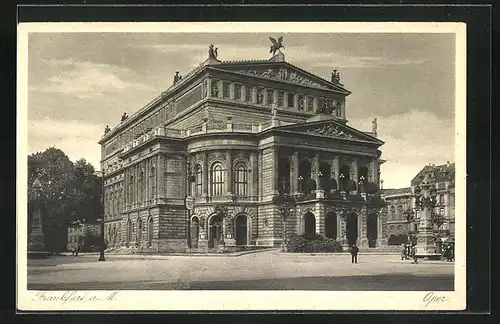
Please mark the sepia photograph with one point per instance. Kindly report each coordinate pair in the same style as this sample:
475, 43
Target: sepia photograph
218, 164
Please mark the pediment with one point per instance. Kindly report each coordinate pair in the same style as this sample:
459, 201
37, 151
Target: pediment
284, 72
331, 129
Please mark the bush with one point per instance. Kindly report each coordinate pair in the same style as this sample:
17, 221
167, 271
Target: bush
312, 244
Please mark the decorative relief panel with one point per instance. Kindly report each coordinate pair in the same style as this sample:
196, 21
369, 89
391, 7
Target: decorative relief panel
212, 156
330, 130
284, 74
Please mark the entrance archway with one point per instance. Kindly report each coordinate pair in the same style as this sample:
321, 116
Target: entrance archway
352, 229
215, 230
331, 225
194, 231
309, 224
241, 230
371, 230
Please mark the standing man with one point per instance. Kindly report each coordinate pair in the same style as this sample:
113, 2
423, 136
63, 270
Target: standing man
403, 251
354, 254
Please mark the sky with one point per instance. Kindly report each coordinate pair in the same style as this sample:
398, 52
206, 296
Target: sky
79, 82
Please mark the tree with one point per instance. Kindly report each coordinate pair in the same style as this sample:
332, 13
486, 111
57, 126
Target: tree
69, 192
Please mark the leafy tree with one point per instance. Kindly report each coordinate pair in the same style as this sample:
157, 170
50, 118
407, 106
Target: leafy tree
70, 192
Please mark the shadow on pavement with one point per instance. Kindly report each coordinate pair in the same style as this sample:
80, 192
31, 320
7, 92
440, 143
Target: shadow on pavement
357, 283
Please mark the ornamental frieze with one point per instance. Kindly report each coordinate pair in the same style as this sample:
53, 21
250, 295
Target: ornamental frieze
283, 74
216, 156
330, 130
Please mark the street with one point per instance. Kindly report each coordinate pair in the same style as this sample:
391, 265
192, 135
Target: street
267, 270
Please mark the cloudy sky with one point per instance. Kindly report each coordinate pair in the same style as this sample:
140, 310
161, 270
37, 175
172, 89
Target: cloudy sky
79, 82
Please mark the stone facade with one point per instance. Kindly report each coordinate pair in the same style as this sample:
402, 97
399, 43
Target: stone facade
235, 135
402, 215
83, 235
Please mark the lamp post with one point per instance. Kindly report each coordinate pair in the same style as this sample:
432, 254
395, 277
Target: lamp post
101, 255
287, 207
425, 197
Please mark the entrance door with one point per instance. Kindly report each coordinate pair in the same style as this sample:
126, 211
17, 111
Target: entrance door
195, 230
309, 225
241, 230
331, 225
371, 230
352, 229
215, 230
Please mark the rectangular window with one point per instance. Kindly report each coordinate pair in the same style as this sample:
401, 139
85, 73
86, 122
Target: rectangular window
225, 89
248, 94
281, 98
260, 96
237, 91
310, 103
198, 180
269, 97
301, 102
291, 98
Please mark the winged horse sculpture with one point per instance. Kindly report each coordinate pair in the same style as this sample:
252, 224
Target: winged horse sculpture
276, 45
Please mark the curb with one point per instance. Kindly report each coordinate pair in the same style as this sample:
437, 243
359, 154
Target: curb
165, 255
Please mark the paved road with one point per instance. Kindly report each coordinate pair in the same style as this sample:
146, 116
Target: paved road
261, 271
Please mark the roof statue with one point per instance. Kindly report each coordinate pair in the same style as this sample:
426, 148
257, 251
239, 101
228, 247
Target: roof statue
276, 45
335, 76
124, 117
107, 129
374, 126
212, 52
177, 77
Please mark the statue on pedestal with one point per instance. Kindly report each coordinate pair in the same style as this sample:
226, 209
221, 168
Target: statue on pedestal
212, 52
177, 77
276, 45
374, 126
335, 76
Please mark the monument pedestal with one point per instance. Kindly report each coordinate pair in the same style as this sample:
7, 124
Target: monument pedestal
36, 240
426, 248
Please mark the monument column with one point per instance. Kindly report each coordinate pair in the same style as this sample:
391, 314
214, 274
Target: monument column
36, 240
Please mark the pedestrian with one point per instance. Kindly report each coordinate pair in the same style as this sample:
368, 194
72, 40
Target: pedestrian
77, 249
354, 254
73, 251
403, 251
414, 254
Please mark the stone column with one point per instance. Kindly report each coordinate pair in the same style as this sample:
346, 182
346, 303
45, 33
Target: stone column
275, 155
147, 181
209, 87
231, 90
320, 218
354, 170
254, 176
204, 188
160, 175
229, 173
363, 224
336, 170
294, 173
339, 226
254, 94
296, 101
315, 104
315, 169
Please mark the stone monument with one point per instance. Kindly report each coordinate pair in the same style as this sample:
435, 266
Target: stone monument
425, 196
36, 241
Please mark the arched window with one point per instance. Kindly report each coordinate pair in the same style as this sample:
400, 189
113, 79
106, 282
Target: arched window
198, 182
217, 179
240, 180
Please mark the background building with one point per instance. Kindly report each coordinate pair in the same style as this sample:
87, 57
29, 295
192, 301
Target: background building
85, 235
403, 218
235, 135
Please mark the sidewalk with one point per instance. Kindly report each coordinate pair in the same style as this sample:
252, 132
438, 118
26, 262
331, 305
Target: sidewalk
165, 255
